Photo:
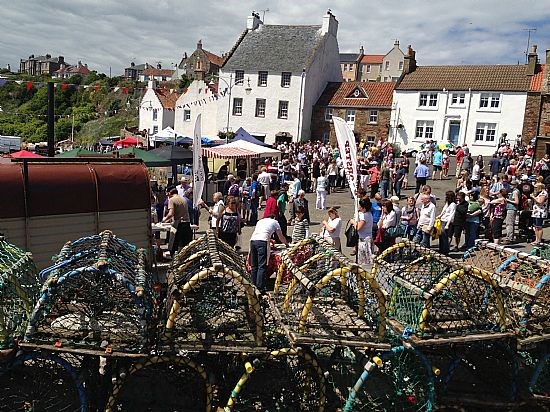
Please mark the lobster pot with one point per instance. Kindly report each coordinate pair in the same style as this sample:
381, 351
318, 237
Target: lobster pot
19, 286
211, 299
476, 374
398, 380
542, 250
539, 381
162, 383
40, 381
525, 280
330, 300
285, 379
97, 294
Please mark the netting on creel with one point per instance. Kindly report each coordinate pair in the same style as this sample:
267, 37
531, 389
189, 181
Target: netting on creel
436, 296
330, 299
478, 373
40, 381
97, 294
393, 260
398, 380
542, 250
539, 384
285, 379
19, 286
162, 383
525, 280
211, 299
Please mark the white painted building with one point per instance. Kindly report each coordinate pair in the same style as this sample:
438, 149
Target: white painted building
199, 98
157, 109
471, 105
274, 75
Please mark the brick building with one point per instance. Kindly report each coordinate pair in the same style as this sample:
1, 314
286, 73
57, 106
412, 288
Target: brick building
534, 98
543, 138
366, 107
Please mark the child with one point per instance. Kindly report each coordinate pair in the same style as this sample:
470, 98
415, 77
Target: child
301, 225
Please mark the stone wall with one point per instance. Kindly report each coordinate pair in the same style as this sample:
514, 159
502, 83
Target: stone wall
531, 119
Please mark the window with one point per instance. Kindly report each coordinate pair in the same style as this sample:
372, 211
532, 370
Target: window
350, 116
400, 66
283, 109
262, 79
371, 139
325, 137
489, 100
187, 115
387, 65
328, 114
428, 100
369, 68
424, 129
345, 66
239, 77
458, 99
373, 116
285, 79
155, 129
260, 107
155, 114
485, 132
237, 106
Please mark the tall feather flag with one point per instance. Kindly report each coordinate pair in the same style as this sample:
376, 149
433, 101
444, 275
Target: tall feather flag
348, 152
198, 169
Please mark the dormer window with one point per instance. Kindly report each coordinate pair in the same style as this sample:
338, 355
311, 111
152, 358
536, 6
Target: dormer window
356, 93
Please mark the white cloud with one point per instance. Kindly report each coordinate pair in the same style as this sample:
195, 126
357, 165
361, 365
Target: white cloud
108, 33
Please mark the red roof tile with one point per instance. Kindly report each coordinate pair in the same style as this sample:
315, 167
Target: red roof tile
215, 59
372, 59
167, 99
536, 80
379, 94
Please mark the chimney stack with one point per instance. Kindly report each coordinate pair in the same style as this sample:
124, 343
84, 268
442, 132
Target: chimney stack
253, 21
361, 51
532, 60
199, 45
330, 24
409, 64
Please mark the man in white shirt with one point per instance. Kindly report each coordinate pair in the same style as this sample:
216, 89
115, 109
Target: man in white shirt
264, 178
259, 248
426, 220
183, 186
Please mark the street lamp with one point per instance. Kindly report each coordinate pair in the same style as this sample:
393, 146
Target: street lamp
229, 85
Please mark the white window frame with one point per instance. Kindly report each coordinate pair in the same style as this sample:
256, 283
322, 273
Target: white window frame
155, 130
458, 99
428, 100
260, 107
237, 106
328, 114
350, 116
489, 101
424, 130
387, 65
371, 140
155, 114
400, 66
369, 68
187, 115
373, 116
282, 112
345, 67
262, 78
285, 79
239, 77
486, 133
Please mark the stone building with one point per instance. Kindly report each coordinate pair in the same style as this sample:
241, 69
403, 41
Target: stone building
366, 107
37, 66
534, 98
200, 60
543, 138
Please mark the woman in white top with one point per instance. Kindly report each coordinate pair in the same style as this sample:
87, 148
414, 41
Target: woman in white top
387, 220
331, 228
216, 210
540, 212
321, 191
447, 216
364, 230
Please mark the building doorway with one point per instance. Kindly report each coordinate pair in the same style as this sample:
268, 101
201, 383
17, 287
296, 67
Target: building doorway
454, 131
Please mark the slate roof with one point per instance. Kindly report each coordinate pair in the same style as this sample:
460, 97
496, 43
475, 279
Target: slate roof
536, 80
348, 57
490, 78
167, 99
380, 94
372, 59
275, 48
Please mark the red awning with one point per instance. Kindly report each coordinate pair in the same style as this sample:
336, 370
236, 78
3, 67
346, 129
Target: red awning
23, 153
223, 152
126, 142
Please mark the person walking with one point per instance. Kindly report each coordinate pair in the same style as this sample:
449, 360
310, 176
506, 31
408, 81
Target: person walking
409, 218
178, 214
498, 214
331, 228
473, 220
321, 200
385, 175
539, 213
459, 221
363, 225
438, 163
447, 217
229, 223
260, 251
512, 207
421, 173
426, 220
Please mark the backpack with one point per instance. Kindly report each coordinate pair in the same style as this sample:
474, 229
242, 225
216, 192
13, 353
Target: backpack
234, 190
229, 223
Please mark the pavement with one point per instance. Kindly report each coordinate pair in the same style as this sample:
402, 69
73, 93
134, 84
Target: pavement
343, 201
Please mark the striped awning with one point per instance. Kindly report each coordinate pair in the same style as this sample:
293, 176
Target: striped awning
223, 152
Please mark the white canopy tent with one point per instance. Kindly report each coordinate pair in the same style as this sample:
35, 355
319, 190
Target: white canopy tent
262, 151
166, 135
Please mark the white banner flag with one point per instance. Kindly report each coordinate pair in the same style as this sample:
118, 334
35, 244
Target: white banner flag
348, 151
198, 169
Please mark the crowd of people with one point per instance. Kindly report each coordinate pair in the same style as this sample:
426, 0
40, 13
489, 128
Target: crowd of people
488, 198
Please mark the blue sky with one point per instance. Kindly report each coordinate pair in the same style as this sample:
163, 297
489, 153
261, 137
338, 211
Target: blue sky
110, 34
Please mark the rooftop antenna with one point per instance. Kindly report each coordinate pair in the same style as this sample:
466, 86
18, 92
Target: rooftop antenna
528, 42
263, 14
